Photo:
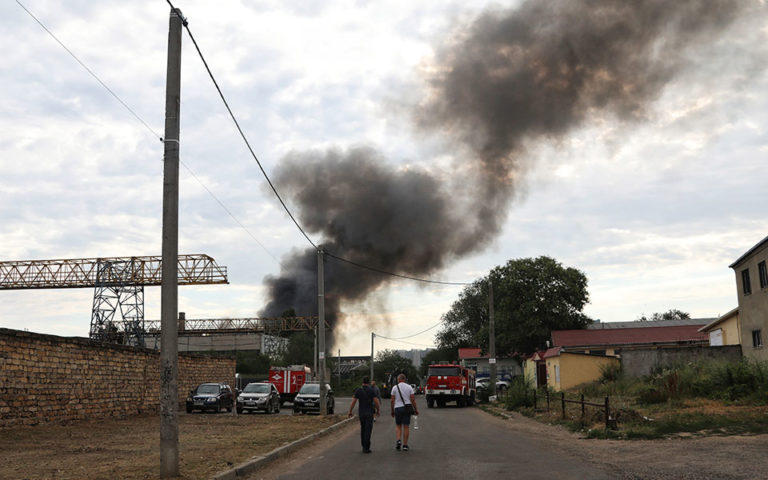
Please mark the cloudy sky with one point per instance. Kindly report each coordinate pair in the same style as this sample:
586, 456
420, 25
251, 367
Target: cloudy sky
640, 159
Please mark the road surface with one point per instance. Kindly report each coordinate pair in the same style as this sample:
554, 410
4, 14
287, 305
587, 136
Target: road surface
451, 443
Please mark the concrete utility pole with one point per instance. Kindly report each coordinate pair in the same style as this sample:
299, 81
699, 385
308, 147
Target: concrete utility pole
491, 339
169, 342
373, 335
321, 330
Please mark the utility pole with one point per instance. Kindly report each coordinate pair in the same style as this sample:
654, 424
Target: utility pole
373, 335
491, 339
169, 342
321, 329
339, 368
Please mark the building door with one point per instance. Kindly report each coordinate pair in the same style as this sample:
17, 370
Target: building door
541, 374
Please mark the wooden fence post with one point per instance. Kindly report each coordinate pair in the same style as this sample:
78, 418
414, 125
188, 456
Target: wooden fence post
583, 416
534, 399
607, 414
547, 400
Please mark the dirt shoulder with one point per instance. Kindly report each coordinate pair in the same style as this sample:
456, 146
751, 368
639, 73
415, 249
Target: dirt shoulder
128, 448
684, 457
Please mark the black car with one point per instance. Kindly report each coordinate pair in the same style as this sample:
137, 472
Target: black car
308, 399
211, 396
259, 396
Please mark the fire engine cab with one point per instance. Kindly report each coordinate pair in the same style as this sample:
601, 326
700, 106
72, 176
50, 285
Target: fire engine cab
450, 382
288, 380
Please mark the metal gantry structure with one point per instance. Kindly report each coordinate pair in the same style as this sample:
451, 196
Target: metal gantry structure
117, 315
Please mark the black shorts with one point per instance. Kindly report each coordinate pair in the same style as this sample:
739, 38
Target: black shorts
402, 417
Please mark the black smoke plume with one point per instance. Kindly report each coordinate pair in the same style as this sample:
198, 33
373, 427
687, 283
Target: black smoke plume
509, 79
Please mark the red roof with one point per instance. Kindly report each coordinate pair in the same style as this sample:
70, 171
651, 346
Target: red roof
550, 352
472, 353
629, 336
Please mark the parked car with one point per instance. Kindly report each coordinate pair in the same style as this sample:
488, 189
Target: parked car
483, 383
308, 399
259, 396
211, 396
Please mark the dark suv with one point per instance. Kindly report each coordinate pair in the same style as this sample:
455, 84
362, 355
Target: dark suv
211, 396
308, 399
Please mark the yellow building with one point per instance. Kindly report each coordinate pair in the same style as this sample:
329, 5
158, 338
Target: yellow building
725, 330
566, 370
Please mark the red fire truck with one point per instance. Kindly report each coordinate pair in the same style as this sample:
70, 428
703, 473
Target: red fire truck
288, 380
450, 382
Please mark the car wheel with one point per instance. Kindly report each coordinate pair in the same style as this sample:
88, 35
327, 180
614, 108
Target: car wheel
189, 409
239, 410
218, 408
269, 409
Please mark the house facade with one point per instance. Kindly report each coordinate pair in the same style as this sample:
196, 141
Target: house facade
506, 368
724, 330
752, 290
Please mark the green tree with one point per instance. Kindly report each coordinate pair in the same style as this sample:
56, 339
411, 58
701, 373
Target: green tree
389, 361
252, 363
532, 297
300, 349
448, 354
673, 314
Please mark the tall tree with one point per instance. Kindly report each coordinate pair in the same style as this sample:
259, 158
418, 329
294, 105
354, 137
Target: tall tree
532, 297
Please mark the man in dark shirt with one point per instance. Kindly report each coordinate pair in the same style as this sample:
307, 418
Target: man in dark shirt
369, 406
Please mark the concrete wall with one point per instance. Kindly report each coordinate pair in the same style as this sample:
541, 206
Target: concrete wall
637, 363
50, 379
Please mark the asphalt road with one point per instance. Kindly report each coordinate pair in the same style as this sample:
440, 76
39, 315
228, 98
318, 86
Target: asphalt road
451, 443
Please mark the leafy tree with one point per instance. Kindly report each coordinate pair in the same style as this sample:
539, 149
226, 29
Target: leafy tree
389, 361
532, 297
300, 349
437, 355
252, 363
673, 314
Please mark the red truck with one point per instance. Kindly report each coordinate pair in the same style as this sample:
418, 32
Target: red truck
450, 382
288, 380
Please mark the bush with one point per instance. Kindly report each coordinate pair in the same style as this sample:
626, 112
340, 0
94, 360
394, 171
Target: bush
518, 395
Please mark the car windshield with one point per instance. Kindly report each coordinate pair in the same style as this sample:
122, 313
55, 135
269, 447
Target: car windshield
310, 388
433, 371
256, 388
208, 389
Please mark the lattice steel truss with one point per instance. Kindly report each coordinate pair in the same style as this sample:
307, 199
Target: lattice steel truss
269, 326
118, 284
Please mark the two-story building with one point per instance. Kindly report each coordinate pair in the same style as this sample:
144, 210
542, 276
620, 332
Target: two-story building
752, 290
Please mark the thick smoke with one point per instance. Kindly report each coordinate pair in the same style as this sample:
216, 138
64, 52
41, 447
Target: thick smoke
510, 79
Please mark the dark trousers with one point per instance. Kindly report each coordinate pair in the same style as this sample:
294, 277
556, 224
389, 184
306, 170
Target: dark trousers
366, 427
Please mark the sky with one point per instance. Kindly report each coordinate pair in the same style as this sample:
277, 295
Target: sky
652, 199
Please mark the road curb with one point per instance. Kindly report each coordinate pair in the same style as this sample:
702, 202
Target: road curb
249, 466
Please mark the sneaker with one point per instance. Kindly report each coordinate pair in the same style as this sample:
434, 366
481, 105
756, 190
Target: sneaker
405, 448
397, 446
366, 451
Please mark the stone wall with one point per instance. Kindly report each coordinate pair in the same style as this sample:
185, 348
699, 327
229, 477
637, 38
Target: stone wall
50, 379
640, 362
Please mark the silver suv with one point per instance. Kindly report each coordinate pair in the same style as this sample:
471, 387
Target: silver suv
259, 396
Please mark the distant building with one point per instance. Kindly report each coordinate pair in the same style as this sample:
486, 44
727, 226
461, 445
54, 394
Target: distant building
752, 290
414, 355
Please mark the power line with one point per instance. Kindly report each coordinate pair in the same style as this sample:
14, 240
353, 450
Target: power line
272, 186
127, 107
91, 72
407, 343
416, 334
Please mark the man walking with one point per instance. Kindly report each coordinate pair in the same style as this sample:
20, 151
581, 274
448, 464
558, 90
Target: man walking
376, 392
369, 406
403, 400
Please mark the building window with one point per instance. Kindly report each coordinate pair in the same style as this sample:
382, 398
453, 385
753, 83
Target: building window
746, 287
757, 339
763, 274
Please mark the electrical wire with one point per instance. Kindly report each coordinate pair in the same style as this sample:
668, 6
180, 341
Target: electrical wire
91, 72
151, 130
269, 181
416, 334
407, 343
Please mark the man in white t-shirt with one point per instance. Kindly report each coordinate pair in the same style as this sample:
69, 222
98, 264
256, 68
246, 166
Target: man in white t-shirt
402, 395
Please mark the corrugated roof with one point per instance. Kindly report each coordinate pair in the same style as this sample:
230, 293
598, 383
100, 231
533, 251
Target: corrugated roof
470, 353
649, 323
748, 253
628, 336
